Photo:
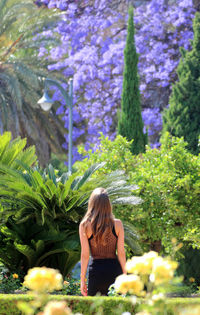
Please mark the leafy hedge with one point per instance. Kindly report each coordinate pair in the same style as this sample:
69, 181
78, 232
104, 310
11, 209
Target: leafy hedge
83, 305
92, 305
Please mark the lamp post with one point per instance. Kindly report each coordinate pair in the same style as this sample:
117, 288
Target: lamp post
46, 102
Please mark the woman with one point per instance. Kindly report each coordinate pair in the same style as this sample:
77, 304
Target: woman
101, 234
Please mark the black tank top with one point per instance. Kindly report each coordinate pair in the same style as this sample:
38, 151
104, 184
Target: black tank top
100, 250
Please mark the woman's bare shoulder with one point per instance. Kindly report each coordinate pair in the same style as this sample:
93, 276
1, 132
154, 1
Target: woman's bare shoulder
86, 227
117, 221
118, 225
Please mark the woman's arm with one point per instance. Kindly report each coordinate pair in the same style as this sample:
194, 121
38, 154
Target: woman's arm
85, 254
120, 245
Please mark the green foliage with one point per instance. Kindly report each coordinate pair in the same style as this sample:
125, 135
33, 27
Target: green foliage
168, 181
189, 267
85, 306
12, 151
57, 161
193, 233
183, 116
41, 214
72, 287
90, 305
8, 284
130, 123
116, 155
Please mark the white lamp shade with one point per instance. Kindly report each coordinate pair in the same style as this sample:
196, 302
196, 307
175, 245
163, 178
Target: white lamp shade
45, 102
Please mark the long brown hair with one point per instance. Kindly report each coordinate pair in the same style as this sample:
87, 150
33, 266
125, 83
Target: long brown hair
99, 214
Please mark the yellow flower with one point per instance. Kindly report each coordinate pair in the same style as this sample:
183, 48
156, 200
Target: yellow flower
129, 283
15, 276
162, 270
192, 279
43, 279
56, 308
141, 264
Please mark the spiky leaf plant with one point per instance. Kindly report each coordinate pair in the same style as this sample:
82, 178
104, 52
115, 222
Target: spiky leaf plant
41, 214
12, 150
22, 25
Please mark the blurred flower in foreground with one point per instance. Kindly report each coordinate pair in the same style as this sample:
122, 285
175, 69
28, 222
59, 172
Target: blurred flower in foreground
129, 283
141, 264
148, 270
162, 270
42, 279
57, 308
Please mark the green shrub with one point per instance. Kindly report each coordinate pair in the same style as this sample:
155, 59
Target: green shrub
169, 182
116, 155
93, 305
83, 305
9, 283
71, 287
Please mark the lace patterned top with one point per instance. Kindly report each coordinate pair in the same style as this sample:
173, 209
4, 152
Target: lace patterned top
101, 250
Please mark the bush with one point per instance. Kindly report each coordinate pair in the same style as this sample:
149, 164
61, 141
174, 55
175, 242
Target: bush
91, 305
168, 181
84, 305
116, 155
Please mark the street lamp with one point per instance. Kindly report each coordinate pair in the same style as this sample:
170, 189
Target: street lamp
46, 102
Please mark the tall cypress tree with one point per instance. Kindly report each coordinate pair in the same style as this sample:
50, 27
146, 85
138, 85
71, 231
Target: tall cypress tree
182, 118
130, 124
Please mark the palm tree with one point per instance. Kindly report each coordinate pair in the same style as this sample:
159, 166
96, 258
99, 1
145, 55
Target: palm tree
22, 25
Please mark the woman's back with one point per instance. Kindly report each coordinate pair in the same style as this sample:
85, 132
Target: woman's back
106, 248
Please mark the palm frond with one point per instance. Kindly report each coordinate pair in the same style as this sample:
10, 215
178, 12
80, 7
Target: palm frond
132, 238
27, 251
79, 181
12, 86
25, 74
4, 143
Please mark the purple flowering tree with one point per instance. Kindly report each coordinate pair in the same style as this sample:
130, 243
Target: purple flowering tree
93, 34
